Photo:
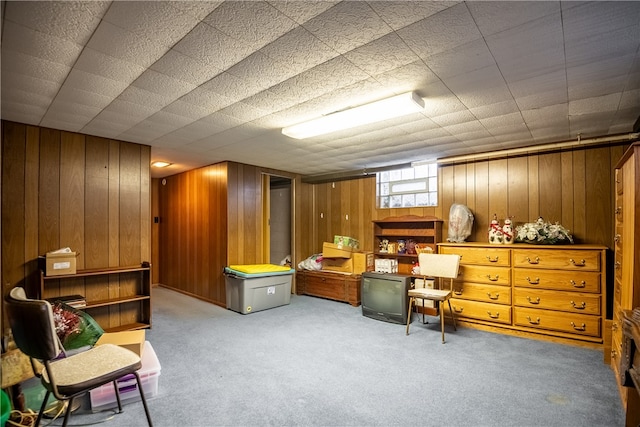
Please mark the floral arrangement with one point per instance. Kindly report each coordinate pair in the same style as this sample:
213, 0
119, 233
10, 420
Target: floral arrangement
543, 233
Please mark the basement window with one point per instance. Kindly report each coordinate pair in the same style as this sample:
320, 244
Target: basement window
407, 188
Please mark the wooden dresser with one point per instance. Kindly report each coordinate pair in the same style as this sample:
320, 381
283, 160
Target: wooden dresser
626, 293
543, 291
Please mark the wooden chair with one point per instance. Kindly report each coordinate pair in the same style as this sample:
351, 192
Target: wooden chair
436, 266
67, 377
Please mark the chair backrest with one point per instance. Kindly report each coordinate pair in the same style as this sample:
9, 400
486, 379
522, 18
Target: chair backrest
32, 325
439, 265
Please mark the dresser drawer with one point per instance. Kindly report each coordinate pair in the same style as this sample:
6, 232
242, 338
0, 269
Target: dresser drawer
482, 292
578, 324
573, 302
559, 280
557, 259
495, 313
489, 275
481, 256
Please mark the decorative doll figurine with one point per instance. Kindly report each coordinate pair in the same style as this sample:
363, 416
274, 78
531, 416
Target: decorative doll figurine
402, 247
507, 231
495, 231
384, 246
416, 268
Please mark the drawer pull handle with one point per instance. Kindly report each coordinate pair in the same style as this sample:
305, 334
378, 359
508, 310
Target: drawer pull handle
579, 307
578, 285
614, 326
457, 292
492, 259
616, 238
617, 265
533, 261
536, 301
582, 262
533, 322
458, 309
618, 210
493, 316
493, 279
533, 282
492, 297
581, 328
614, 354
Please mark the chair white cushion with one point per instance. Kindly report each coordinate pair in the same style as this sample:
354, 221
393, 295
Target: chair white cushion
432, 294
439, 265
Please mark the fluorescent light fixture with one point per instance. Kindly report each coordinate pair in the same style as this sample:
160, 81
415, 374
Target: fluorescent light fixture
396, 106
160, 164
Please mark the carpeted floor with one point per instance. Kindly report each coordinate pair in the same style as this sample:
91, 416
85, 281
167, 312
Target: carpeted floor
316, 362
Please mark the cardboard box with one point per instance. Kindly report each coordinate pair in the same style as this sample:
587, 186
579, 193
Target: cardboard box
132, 340
58, 264
342, 241
340, 265
331, 250
362, 261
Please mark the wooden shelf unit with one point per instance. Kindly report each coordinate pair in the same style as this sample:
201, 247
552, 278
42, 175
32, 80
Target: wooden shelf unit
118, 298
422, 230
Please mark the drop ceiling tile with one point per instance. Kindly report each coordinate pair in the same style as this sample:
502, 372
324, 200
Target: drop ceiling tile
603, 47
167, 23
347, 25
242, 112
71, 94
439, 100
512, 119
232, 87
498, 129
630, 99
47, 89
408, 78
33, 43
261, 71
557, 114
494, 17
495, 110
479, 87
461, 59
381, 55
21, 112
540, 91
530, 49
302, 11
455, 118
162, 84
441, 32
207, 100
587, 124
89, 82
589, 18
21, 63
299, 49
70, 112
144, 99
212, 47
608, 102
185, 68
134, 112
101, 64
254, 23
69, 20
124, 45
399, 14
197, 8
187, 109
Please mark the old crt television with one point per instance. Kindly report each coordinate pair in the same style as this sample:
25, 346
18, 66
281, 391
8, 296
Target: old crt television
384, 296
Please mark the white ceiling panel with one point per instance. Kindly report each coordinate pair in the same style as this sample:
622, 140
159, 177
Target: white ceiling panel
207, 81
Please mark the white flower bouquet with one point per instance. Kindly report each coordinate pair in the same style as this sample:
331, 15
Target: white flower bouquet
543, 233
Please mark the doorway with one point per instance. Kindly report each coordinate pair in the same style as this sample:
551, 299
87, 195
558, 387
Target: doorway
279, 222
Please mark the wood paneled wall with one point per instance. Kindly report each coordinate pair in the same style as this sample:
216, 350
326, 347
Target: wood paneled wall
210, 218
572, 187
64, 189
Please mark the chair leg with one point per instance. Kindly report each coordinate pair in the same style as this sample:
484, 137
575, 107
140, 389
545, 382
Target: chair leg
67, 412
117, 393
42, 408
411, 301
144, 400
441, 320
453, 317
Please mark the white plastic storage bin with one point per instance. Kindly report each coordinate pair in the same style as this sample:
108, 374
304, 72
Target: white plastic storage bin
104, 397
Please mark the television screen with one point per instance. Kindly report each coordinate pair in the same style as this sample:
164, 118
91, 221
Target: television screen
384, 296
